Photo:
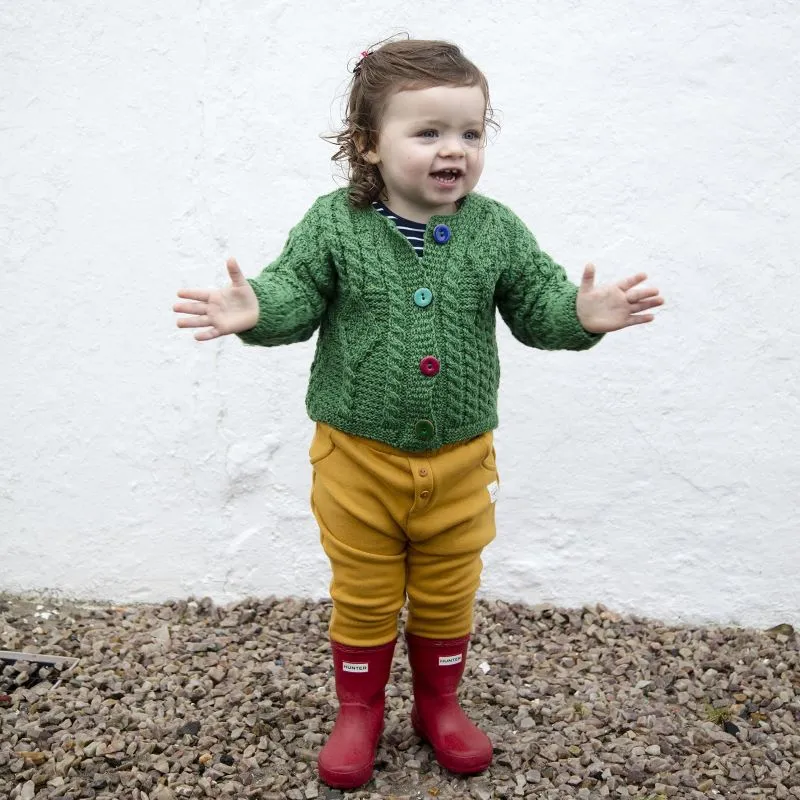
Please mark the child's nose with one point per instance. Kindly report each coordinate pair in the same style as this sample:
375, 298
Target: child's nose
451, 146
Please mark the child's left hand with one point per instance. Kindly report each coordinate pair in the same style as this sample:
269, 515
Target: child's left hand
612, 306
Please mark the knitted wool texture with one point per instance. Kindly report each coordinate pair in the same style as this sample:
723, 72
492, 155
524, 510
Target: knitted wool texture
351, 273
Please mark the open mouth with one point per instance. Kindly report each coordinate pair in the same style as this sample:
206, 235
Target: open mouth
446, 176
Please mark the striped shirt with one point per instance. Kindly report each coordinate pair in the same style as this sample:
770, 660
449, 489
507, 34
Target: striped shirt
413, 231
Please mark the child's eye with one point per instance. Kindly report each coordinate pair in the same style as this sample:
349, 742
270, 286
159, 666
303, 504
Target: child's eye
428, 134
472, 136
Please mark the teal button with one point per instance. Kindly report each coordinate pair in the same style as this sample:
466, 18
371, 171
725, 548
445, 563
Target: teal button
424, 430
423, 297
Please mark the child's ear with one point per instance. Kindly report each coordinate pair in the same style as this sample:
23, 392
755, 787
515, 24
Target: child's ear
364, 147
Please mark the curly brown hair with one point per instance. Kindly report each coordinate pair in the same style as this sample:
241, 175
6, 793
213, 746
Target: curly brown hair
394, 67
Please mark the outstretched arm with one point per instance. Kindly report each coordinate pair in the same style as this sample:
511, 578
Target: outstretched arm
544, 309
535, 297
284, 304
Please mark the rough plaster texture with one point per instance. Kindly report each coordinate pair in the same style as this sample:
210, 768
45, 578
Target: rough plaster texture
142, 144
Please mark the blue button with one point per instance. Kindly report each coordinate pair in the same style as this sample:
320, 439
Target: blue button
441, 234
423, 297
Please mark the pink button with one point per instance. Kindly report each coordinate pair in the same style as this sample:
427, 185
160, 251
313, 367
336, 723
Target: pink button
429, 366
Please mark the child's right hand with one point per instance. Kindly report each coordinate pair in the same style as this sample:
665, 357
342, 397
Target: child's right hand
220, 311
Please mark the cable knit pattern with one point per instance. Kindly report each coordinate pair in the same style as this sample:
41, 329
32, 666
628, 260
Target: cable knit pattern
351, 273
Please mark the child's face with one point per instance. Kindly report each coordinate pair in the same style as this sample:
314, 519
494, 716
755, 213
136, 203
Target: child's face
430, 149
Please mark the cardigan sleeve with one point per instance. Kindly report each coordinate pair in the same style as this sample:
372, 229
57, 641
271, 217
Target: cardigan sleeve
294, 290
535, 297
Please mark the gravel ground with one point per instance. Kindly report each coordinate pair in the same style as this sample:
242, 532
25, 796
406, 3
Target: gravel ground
188, 699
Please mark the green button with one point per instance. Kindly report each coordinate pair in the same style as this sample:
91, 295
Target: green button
424, 430
423, 297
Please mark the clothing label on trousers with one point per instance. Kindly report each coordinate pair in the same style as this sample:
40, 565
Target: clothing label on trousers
349, 666
448, 661
493, 488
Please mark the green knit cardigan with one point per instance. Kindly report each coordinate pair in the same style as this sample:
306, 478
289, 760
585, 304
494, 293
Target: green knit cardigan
351, 273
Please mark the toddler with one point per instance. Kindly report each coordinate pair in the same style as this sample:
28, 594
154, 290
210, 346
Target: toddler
401, 272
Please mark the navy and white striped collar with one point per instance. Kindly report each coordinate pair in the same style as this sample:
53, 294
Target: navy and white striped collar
413, 231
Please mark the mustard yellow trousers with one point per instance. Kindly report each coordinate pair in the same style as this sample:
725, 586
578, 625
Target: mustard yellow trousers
396, 524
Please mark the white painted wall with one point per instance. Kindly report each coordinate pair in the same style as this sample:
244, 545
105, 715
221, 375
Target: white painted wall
141, 145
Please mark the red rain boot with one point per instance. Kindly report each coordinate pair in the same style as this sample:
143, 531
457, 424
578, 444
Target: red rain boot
347, 758
437, 666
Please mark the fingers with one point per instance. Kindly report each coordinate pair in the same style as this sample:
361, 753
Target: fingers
237, 279
629, 283
195, 294
190, 308
635, 308
207, 335
587, 281
639, 319
199, 321
636, 296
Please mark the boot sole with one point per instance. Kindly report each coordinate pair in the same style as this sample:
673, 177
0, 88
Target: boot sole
352, 780
451, 763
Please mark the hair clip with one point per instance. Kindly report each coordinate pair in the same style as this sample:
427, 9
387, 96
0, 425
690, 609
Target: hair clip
377, 46
357, 68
